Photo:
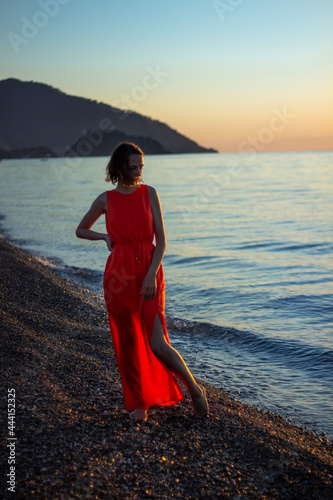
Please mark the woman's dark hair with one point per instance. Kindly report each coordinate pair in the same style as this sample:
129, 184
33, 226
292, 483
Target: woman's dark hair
119, 160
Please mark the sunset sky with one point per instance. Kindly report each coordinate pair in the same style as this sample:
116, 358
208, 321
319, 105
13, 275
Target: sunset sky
224, 73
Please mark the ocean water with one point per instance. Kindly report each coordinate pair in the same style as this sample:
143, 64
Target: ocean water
248, 264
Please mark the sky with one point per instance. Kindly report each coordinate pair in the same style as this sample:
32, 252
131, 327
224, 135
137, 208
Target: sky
234, 75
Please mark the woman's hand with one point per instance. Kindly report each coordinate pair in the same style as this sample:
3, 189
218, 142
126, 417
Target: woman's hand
109, 242
149, 286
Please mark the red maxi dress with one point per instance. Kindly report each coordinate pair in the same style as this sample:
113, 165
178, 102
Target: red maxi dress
146, 380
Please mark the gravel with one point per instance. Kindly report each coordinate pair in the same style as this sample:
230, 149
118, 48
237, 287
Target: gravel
74, 435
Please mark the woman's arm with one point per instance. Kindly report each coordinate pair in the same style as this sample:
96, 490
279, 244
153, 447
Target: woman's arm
149, 283
98, 208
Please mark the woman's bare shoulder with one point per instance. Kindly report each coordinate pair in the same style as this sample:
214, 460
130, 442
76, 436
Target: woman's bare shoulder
152, 192
103, 196
102, 201
154, 199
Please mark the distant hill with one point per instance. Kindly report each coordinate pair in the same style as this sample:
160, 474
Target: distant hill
35, 116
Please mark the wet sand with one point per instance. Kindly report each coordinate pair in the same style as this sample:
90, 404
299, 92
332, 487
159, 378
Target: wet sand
75, 438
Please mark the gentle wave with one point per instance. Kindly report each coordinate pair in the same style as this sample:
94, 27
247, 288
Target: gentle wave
281, 247
203, 259
291, 353
294, 354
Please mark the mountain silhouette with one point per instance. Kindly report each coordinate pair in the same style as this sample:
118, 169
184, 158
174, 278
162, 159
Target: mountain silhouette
39, 117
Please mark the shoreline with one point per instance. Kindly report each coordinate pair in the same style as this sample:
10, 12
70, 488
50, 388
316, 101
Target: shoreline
74, 435
74, 275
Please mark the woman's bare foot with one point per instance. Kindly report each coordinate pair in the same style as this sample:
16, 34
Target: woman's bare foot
200, 404
139, 414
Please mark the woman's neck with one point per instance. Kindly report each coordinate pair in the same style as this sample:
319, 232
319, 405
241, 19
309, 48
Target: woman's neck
123, 188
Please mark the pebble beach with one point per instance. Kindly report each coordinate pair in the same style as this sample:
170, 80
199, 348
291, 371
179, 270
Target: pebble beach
74, 435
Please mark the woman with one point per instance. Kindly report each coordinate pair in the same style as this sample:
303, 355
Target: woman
134, 288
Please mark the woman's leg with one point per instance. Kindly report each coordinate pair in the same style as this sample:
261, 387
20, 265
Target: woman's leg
175, 363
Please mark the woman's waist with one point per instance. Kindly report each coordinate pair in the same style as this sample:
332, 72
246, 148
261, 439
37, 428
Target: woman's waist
128, 253
128, 243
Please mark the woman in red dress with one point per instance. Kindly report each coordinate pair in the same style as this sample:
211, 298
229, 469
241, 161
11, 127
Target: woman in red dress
134, 289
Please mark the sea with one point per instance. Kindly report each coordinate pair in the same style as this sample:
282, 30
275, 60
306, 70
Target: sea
248, 263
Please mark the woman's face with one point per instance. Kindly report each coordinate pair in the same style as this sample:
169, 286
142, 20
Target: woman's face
135, 166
